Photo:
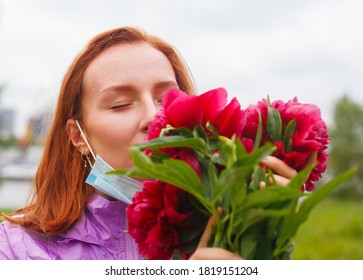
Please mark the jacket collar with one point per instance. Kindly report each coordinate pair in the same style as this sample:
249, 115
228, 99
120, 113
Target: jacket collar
102, 223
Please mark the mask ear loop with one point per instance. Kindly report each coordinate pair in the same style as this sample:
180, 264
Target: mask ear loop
85, 140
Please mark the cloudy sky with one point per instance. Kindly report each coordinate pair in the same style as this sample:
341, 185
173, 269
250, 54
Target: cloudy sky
311, 49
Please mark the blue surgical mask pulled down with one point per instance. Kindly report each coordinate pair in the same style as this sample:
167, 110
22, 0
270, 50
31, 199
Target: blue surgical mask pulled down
117, 186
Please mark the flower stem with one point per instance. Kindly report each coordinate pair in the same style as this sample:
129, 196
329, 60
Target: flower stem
218, 236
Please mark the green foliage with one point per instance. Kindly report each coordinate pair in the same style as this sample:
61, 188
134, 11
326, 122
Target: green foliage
274, 124
334, 231
346, 146
9, 142
5, 211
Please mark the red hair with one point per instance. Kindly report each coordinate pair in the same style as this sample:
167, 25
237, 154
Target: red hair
60, 192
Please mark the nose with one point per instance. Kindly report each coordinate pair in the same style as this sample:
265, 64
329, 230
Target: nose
149, 111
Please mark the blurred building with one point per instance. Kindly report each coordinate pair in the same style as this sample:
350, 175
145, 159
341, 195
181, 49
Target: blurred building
7, 123
38, 128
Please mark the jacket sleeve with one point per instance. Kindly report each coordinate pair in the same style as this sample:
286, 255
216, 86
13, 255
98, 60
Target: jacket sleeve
6, 251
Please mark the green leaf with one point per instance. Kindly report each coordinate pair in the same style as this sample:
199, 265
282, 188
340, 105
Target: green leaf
318, 195
181, 131
248, 244
158, 155
270, 195
240, 150
274, 124
289, 131
175, 172
255, 215
174, 141
299, 215
272, 227
256, 156
298, 181
171, 171
264, 244
258, 137
209, 179
191, 246
232, 187
227, 152
193, 227
268, 100
259, 175
199, 132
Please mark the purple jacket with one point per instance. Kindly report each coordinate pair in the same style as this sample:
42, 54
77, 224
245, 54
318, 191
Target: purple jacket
99, 234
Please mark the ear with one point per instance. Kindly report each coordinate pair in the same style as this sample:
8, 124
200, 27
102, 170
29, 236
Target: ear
76, 137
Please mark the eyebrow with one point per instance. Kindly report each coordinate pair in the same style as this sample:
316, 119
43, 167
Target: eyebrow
118, 88
111, 92
130, 88
166, 84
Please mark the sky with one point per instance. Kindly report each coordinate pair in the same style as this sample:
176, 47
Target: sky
311, 49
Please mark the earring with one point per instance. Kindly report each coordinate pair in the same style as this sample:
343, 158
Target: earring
85, 159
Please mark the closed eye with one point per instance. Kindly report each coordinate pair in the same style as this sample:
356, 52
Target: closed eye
159, 98
120, 106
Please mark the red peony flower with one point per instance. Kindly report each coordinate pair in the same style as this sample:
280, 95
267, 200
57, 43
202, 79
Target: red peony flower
183, 110
310, 134
230, 120
154, 221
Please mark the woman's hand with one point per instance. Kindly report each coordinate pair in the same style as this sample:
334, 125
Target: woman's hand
283, 175
283, 172
204, 252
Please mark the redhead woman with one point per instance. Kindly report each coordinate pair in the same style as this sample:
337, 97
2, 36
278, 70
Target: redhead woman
109, 95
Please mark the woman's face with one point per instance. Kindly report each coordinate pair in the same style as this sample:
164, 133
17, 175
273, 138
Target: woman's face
122, 91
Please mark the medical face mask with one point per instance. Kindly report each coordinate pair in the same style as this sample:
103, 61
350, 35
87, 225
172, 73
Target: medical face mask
117, 186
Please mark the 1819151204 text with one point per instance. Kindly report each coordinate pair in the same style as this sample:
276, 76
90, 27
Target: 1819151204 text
219, 270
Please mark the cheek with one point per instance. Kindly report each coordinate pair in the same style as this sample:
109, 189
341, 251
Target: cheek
112, 138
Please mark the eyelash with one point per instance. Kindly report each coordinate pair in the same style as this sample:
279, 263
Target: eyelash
120, 106
123, 106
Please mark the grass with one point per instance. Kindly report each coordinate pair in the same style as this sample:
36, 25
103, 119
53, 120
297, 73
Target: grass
5, 211
333, 231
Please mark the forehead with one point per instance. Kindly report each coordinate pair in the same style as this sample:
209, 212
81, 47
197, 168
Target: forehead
135, 64
126, 56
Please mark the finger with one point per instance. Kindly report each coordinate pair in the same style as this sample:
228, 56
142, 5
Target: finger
262, 185
277, 179
208, 230
214, 254
313, 158
203, 242
279, 167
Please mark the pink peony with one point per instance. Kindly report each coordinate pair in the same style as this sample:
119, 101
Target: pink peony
154, 220
311, 134
183, 110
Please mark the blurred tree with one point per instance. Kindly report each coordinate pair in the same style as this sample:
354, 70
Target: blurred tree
346, 146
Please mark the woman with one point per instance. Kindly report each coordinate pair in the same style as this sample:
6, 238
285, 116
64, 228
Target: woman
108, 97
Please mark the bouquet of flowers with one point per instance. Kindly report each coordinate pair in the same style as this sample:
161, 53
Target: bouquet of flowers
204, 154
